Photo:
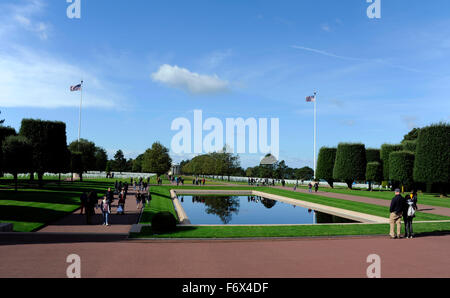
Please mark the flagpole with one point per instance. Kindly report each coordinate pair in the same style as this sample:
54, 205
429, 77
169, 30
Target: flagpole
315, 134
79, 121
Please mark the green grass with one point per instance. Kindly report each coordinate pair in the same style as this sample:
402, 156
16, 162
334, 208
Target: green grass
161, 201
31, 208
425, 199
288, 231
371, 209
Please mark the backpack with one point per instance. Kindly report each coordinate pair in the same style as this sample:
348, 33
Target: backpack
411, 211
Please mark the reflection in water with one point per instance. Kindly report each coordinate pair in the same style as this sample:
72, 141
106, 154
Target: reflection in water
223, 207
254, 210
323, 218
269, 203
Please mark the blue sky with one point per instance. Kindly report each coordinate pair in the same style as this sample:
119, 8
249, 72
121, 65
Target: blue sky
146, 63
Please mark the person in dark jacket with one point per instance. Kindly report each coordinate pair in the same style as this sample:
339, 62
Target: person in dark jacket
410, 202
90, 208
83, 202
395, 218
110, 198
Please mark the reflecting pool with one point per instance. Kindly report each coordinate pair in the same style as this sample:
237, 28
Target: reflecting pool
226, 210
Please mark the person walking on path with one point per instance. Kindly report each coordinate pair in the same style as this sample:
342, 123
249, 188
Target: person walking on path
110, 197
121, 208
316, 187
395, 219
106, 211
310, 187
409, 212
90, 206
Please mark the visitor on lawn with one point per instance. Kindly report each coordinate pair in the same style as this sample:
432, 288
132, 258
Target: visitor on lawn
409, 212
395, 219
310, 187
316, 187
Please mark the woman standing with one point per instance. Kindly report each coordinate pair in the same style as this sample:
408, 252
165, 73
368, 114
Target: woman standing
106, 210
409, 213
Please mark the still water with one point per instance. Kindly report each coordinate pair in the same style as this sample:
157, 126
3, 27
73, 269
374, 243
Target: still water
225, 210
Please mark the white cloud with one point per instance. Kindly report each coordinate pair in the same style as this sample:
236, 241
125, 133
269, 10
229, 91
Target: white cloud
194, 83
31, 79
22, 16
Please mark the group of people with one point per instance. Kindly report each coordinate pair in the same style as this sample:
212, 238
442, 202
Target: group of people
142, 199
89, 201
198, 181
315, 185
261, 182
176, 180
402, 207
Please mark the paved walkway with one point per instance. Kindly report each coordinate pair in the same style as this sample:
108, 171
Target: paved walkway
119, 224
422, 208
335, 257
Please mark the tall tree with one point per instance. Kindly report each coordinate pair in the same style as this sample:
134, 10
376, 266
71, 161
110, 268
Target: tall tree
156, 160
137, 164
374, 173
101, 159
305, 173
386, 150
325, 165
120, 162
401, 167
432, 163
17, 156
87, 150
350, 165
49, 143
4, 133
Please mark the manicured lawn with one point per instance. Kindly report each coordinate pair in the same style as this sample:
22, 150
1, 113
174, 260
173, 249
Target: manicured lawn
288, 231
349, 205
426, 199
31, 208
161, 201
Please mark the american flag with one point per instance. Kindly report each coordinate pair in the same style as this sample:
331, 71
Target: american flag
75, 88
311, 98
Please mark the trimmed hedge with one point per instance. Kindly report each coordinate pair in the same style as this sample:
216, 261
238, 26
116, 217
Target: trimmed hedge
409, 146
325, 164
432, 163
385, 152
373, 155
350, 164
401, 167
49, 142
374, 172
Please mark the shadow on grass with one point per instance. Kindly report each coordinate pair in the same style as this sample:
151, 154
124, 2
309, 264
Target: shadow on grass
69, 198
148, 231
30, 214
